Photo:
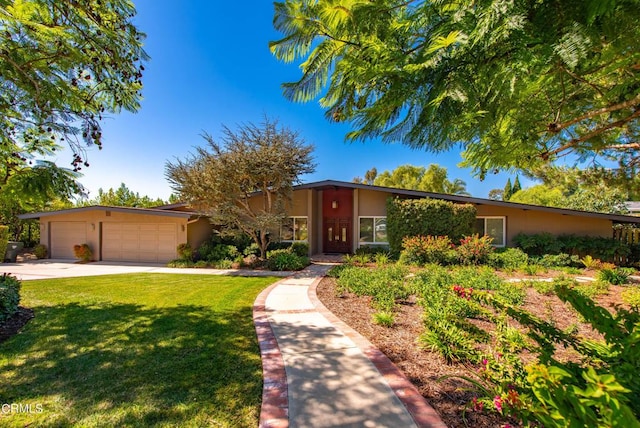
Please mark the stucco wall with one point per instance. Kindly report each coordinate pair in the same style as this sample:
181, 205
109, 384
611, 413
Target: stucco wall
372, 203
198, 232
529, 221
93, 218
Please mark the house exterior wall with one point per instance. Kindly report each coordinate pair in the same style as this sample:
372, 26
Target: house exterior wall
92, 220
530, 222
198, 232
372, 203
369, 203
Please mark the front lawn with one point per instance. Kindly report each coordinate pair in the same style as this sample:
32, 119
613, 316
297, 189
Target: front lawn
135, 350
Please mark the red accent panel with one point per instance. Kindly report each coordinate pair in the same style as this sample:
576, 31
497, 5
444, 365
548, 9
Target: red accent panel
345, 203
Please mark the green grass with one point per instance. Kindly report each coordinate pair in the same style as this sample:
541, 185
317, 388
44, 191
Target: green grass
136, 350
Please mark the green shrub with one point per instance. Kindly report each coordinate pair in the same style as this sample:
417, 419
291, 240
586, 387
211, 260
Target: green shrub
557, 260
213, 252
301, 249
507, 258
335, 271
251, 249
608, 249
614, 276
474, 249
543, 287
584, 393
285, 259
40, 251
631, 296
592, 289
278, 245
4, 241
372, 249
180, 263
185, 252
223, 264
381, 259
537, 244
421, 250
385, 285
82, 252
9, 296
383, 318
424, 217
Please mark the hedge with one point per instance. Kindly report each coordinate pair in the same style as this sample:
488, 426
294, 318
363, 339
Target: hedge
423, 217
4, 240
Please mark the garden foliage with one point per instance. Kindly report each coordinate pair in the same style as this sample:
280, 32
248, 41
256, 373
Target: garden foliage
540, 244
4, 240
9, 296
286, 259
414, 217
82, 252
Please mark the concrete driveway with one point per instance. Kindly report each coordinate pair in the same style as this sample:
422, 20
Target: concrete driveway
51, 268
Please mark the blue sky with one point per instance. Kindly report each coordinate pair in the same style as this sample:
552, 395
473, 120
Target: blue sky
211, 66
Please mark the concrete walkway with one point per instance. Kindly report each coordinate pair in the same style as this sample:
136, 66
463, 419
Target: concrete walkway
318, 372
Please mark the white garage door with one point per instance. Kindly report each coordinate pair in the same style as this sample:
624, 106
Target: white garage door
139, 242
64, 235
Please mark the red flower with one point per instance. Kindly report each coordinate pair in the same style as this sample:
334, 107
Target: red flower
497, 401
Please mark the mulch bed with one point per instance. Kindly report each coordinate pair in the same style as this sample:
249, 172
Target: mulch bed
15, 323
428, 371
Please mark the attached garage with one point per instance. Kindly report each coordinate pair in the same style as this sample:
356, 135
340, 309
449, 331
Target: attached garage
139, 242
64, 235
121, 234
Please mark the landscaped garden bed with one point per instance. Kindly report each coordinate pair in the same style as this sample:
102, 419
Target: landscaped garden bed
465, 354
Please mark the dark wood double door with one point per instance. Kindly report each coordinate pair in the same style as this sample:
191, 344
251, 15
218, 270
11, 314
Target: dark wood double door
337, 235
337, 225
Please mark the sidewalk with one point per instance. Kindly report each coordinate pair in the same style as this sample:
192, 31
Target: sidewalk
318, 372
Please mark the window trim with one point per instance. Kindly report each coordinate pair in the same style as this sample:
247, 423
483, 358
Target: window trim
504, 227
294, 217
374, 217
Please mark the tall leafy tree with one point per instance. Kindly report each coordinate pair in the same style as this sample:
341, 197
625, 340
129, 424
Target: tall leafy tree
431, 179
508, 190
245, 181
65, 65
39, 187
516, 83
598, 198
123, 197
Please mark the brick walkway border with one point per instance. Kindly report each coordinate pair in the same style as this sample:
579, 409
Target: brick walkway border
274, 412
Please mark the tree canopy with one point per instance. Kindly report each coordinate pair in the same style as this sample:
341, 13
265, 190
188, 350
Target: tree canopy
123, 197
245, 181
430, 179
65, 65
515, 83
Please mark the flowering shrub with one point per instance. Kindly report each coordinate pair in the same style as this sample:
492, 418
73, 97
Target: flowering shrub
474, 249
421, 250
554, 393
82, 252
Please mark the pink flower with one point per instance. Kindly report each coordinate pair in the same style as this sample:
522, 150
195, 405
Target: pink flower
497, 401
477, 405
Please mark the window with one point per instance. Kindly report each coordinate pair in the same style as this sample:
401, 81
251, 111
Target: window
493, 227
373, 230
294, 229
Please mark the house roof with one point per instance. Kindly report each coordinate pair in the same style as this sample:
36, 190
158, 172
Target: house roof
128, 210
328, 184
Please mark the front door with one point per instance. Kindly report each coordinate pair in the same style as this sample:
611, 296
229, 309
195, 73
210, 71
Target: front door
337, 215
337, 235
